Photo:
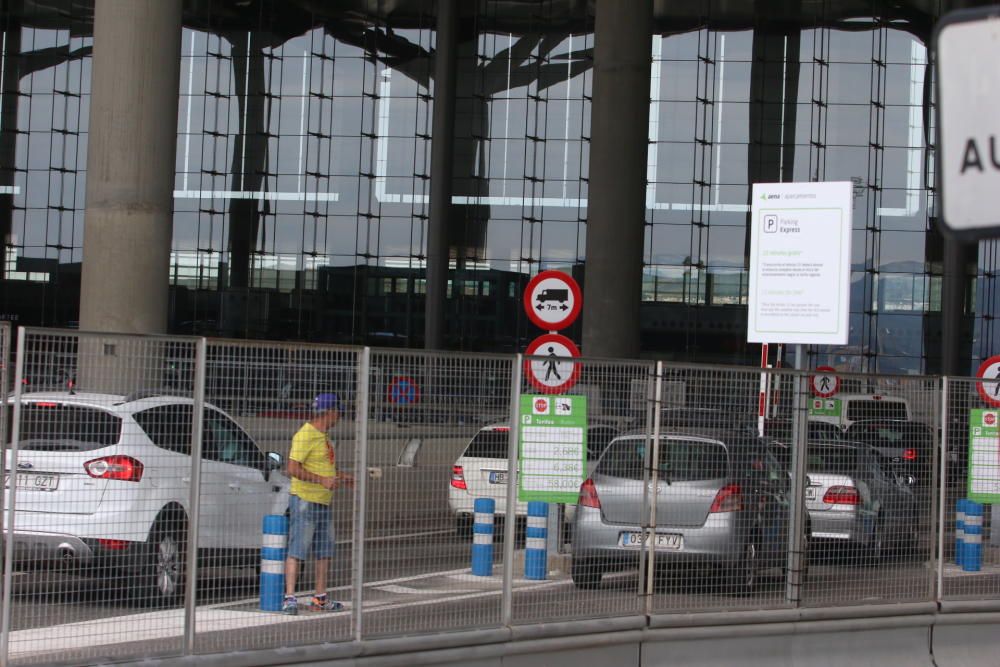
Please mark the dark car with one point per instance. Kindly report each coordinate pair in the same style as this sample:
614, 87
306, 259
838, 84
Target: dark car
721, 500
908, 446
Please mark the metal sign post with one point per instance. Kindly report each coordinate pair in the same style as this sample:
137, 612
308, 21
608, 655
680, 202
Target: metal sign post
797, 494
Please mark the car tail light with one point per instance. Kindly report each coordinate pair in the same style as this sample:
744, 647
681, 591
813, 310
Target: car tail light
588, 495
841, 495
124, 468
114, 545
458, 478
728, 499
909, 455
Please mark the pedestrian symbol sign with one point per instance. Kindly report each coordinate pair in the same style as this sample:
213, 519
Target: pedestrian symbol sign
825, 382
552, 370
989, 388
552, 300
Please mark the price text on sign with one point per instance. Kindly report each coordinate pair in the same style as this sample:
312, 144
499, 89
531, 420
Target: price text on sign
552, 441
552, 300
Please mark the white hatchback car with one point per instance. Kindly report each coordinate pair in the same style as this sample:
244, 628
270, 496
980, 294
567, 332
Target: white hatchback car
481, 471
105, 481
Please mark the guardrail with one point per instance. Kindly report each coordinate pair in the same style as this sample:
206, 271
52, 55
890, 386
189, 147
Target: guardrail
132, 523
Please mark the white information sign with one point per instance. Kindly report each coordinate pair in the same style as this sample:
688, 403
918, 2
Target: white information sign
968, 49
800, 263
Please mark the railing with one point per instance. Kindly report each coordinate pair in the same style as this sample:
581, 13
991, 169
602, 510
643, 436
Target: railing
139, 477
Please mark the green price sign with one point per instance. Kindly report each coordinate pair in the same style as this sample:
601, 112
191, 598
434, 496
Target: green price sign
552, 455
825, 407
984, 456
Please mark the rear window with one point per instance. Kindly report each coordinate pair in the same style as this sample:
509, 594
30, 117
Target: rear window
871, 409
491, 444
57, 427
837, 460
680, 460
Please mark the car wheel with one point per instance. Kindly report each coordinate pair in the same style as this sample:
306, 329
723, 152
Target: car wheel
586, 573
744, 573
166, 563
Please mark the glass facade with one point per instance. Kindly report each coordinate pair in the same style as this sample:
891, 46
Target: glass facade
302, 182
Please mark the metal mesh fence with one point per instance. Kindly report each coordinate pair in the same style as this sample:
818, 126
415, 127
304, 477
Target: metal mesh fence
970, 545
438, 438
870, 491
591, 539
260, 401
97, 504
639, 488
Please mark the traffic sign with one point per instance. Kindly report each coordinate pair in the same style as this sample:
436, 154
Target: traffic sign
825, 382
967, 47
553, 372
989, 388
552, 300
404, 390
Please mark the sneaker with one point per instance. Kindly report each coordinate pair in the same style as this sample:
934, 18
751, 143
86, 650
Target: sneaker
322, 603
290, 606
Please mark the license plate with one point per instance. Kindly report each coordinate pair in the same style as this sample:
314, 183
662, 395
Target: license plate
664, 541
498, 477
28, 481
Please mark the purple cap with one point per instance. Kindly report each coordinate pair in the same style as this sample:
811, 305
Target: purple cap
324, 402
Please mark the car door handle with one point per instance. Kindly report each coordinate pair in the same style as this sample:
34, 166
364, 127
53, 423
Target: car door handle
234, 486
185, 480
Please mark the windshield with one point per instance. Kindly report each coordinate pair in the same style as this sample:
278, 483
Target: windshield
51, 426
680, 460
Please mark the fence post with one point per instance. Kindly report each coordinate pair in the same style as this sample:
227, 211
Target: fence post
4, 430
507, 591
194, 500
939, 508
796, 520
649, 492
362, 396
8, 560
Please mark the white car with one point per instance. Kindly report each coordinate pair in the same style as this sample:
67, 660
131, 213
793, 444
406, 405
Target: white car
481, 471
105, 481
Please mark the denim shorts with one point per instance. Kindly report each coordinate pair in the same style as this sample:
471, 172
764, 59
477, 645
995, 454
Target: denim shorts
309, 529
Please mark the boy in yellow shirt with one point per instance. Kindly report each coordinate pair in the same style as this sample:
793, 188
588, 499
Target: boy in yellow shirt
313, 468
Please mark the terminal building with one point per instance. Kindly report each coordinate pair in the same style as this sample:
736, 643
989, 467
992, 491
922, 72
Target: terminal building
394, 172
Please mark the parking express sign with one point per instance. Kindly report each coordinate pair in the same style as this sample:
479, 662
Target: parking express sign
552, 452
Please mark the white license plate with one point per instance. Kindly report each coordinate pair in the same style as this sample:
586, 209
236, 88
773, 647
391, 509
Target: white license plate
498, 476
29, 481
666, 542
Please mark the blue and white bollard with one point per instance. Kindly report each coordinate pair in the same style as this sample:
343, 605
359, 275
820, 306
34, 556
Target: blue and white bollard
482, 537
535, 534
272, 562
960, 531
973, 551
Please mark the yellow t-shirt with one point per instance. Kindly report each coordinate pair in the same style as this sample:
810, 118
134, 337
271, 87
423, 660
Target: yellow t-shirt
311, 449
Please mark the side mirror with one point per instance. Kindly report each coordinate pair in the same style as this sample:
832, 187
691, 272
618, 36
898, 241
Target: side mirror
274, 458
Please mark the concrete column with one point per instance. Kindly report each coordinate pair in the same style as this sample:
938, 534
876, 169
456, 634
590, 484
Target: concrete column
617, 193
130, 165
442, 157
953, 287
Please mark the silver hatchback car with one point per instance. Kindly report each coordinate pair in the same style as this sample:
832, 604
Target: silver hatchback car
721, 499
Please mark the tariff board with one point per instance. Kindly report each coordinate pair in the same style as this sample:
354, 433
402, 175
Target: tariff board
984, 456
552, 456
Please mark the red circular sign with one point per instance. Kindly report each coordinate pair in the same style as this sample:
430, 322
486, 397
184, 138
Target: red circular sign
825, 382
553, 370
989, 389
552, 300
403, 390
542, 404
989, 419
